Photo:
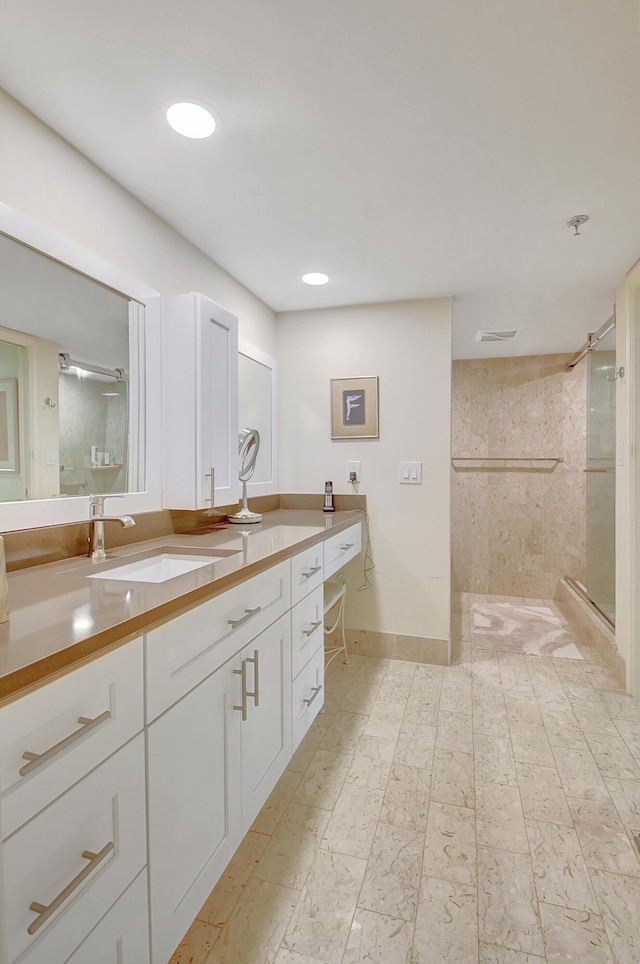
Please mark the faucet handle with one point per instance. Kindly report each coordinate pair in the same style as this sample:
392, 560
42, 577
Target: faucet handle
96, 503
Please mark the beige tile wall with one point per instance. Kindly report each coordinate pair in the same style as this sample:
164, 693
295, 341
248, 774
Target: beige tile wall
517, 531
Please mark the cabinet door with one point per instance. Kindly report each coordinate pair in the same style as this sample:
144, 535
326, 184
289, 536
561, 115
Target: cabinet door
122, 936
217, 354
199, 401
193, 754
266, 731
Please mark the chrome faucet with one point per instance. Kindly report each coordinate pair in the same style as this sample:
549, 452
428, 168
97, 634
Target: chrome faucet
97, 519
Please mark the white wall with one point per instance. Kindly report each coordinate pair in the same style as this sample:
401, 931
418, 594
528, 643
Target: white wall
42, 176
628, 476
408, 345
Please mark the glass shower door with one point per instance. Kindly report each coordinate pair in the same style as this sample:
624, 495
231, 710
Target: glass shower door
601, 475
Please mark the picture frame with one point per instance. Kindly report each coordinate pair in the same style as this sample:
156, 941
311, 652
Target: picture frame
9, 430
354, 407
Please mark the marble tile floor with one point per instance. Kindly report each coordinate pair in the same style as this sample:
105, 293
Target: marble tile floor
479, 813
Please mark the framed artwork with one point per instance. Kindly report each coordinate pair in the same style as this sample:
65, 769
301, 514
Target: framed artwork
9, 439
354, 407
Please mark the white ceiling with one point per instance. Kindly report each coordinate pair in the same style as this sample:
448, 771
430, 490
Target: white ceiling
409, 148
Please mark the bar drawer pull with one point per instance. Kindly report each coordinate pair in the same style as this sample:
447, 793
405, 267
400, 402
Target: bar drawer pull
308, 573
45, 911
39, 759
243, 673
248, 613
347, 545
310, 632
255, 659
211, 475
315, 690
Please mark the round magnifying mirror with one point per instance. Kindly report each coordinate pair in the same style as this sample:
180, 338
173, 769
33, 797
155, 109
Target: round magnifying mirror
248, 446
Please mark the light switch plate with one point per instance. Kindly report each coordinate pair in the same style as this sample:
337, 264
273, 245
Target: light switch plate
411, 473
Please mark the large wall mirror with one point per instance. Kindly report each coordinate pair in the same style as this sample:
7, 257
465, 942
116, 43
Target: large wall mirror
257, 409
78, 373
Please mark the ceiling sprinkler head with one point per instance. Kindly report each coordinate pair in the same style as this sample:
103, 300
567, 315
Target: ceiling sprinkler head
575, 223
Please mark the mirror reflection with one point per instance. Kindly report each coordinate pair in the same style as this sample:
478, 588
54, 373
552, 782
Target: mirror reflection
93, 432
255, 410
64, 354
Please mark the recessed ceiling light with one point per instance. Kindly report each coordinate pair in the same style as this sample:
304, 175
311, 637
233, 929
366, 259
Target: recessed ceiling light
191, 119
315, 278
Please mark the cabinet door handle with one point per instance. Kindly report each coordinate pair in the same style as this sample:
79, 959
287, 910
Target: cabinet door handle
248, 613
315, 690
255, 659
347, 545
310, 632
243, 673
211, 475
39, 759
308, 573
44, 911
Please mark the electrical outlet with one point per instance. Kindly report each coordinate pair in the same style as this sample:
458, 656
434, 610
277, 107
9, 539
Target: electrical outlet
353, 471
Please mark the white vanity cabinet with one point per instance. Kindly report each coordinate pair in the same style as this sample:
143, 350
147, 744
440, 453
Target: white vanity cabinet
194, 800
127, 785
215, 754
72, 806
199, 389
307, 642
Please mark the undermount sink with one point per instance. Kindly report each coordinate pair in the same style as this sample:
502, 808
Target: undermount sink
164, 565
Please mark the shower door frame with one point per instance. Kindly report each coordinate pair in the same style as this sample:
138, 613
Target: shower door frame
600, 469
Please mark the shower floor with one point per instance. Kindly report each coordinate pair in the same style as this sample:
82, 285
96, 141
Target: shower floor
509, 624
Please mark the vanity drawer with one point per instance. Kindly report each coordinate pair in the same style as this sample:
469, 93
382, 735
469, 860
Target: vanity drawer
102, 816
307, 693
307, 629
306, 572
69, 726
342, 547
185, 650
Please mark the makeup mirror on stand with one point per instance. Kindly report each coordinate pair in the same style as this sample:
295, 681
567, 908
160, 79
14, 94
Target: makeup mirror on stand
248, 447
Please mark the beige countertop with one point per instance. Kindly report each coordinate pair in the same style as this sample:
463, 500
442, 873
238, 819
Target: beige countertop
59, 617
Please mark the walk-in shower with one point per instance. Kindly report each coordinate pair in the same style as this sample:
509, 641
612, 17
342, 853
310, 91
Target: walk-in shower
600, 354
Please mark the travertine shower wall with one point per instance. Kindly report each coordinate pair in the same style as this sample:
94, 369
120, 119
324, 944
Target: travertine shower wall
517, 530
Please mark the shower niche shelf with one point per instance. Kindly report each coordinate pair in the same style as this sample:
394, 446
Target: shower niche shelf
512, 463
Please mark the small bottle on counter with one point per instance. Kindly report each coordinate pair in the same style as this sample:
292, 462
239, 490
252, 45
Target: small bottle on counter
328, 498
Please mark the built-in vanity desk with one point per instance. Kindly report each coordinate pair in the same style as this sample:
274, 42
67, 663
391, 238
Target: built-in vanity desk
143, 725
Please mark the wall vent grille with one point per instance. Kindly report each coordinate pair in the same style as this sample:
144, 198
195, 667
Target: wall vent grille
491, 334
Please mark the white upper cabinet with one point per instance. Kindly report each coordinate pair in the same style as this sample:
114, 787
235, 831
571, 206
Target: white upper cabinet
199, 402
